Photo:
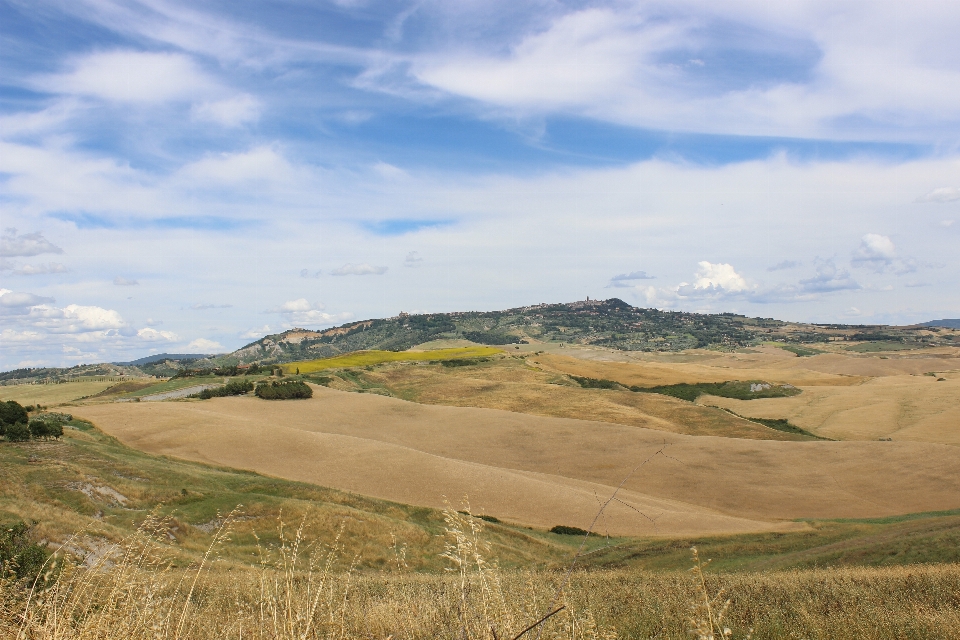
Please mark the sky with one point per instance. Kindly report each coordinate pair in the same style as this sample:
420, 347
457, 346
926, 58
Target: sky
186, 177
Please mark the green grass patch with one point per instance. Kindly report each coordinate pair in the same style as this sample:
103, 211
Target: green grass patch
739, 390
596, 383
803, 352
370, 358
875, 347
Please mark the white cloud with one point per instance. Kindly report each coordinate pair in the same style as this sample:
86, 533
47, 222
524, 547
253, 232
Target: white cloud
124, 282
203, 345
231, 112
300, 304
255, 334
631, 64
878, 253
258, 165
714, 279
76, 318
131, 76
943, 194
413, 259
362, 269
18, 302
301, 312
39, 269
28, 244
153, 335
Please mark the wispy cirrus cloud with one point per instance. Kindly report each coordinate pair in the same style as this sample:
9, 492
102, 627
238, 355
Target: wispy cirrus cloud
362, 269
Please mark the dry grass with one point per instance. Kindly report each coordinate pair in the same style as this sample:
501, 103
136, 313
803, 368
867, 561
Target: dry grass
512, 385
52, 394
307, 591
918, 408
543, 471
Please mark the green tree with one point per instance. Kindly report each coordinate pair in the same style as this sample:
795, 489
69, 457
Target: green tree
18, 432
11, 412
39, 429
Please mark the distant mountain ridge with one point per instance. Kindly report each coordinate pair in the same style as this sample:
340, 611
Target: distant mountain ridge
160, 357
610, 323
949, 323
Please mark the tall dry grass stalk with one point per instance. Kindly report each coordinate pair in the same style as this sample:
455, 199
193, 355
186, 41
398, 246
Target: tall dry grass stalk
297, 590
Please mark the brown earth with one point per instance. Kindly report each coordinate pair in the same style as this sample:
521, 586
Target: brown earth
543, 471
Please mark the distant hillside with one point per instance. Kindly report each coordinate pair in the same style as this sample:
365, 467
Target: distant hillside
160, 357
948, 323
608, 323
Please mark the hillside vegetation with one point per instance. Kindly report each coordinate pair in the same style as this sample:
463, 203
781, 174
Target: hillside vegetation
612, 324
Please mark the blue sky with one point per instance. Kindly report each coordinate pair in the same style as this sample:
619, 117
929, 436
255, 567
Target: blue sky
190, 176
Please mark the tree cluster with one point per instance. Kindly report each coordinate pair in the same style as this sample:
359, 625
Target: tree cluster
232, 388
16, 425
289, 390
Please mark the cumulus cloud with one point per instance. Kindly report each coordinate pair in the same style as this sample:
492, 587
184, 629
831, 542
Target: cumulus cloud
362, 269
153, 335
253, 334
828, 278
131, 77
203, 345
413, 259
77, 318
878, 253
28, 244
124, 282
943, 194
301, 312
713, 280
306, 273
20, 302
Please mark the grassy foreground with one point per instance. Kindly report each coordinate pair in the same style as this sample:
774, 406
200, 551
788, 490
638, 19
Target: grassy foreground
301, 590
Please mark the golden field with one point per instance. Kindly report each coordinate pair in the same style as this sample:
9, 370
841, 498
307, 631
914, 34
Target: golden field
396, 441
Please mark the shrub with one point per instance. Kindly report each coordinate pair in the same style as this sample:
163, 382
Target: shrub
232, 388
464, 362
18, 432
290, 390
564, 530
18, 555
594, 383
